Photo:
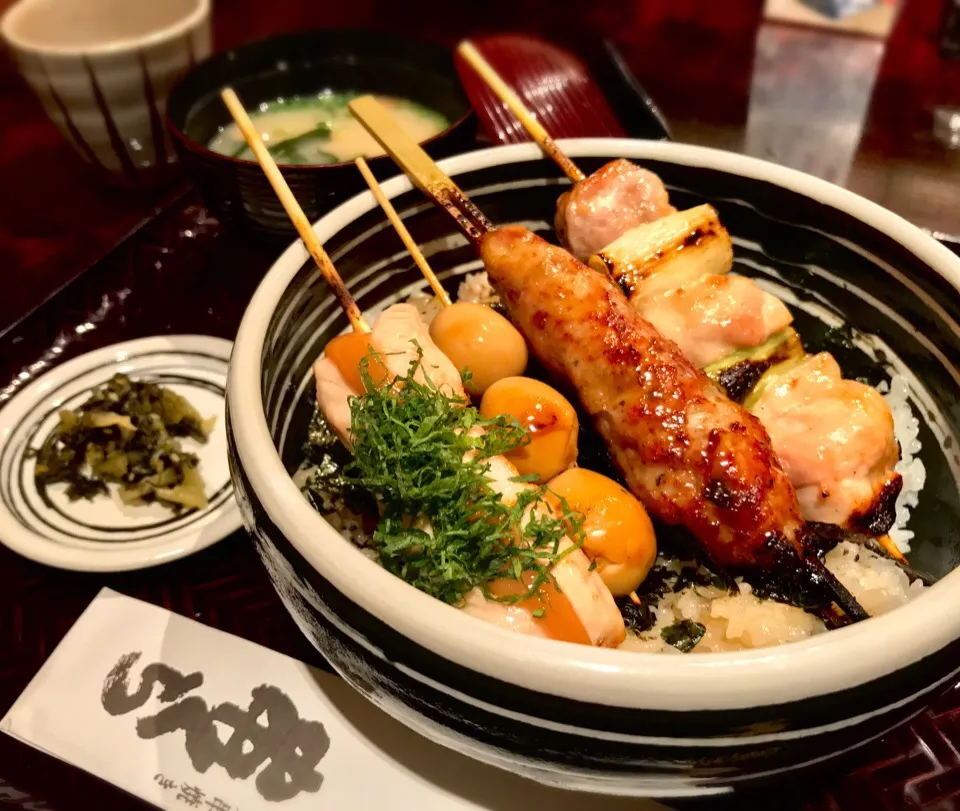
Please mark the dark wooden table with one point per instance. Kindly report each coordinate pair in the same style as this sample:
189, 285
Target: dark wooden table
78, 255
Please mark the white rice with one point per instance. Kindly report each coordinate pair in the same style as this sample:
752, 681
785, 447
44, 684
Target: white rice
333, 508
742, 621
427, 305
878, 583
906, 428
476, 288
731, 621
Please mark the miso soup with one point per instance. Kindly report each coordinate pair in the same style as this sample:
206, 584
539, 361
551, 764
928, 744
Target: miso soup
320, 129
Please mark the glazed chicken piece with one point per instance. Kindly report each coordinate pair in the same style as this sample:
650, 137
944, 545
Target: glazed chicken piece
835, 440
583, 610
688, 453
613, 199
714, 316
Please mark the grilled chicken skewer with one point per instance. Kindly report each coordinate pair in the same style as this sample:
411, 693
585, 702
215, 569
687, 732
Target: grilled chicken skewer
834, 437
712, 315
675, 272
581, 608
692, 456
596, 218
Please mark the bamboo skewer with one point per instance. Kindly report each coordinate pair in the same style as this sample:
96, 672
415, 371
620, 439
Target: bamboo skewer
419, 166
526, 118
405, 236
292, 207
892, 549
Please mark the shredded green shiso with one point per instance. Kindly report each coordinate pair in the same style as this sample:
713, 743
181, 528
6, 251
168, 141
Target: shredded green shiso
409, 440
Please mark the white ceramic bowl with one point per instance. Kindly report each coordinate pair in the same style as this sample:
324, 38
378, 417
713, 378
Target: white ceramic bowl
586, 718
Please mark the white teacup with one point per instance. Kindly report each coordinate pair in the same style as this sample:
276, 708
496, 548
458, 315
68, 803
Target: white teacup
103, 70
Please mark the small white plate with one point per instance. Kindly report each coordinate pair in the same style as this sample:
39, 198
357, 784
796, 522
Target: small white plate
104, 535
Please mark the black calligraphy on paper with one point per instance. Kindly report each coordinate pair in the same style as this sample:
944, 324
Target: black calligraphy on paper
116, 698
192, 796
293, 746
269, 731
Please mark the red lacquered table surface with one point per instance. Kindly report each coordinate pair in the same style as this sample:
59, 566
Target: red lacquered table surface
87, 266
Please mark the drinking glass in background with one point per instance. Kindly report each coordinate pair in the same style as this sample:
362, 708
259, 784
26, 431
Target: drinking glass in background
809, 96
103, 70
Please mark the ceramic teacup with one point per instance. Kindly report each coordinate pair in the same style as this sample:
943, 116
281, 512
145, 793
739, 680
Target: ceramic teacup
103, 70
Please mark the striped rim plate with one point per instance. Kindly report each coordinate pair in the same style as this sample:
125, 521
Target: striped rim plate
41, 523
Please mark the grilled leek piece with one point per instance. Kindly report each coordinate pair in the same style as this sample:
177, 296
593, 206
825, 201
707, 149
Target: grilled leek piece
740, 371
668, 253
770, 377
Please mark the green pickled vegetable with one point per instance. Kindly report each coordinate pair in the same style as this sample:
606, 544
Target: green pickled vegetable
127, 433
